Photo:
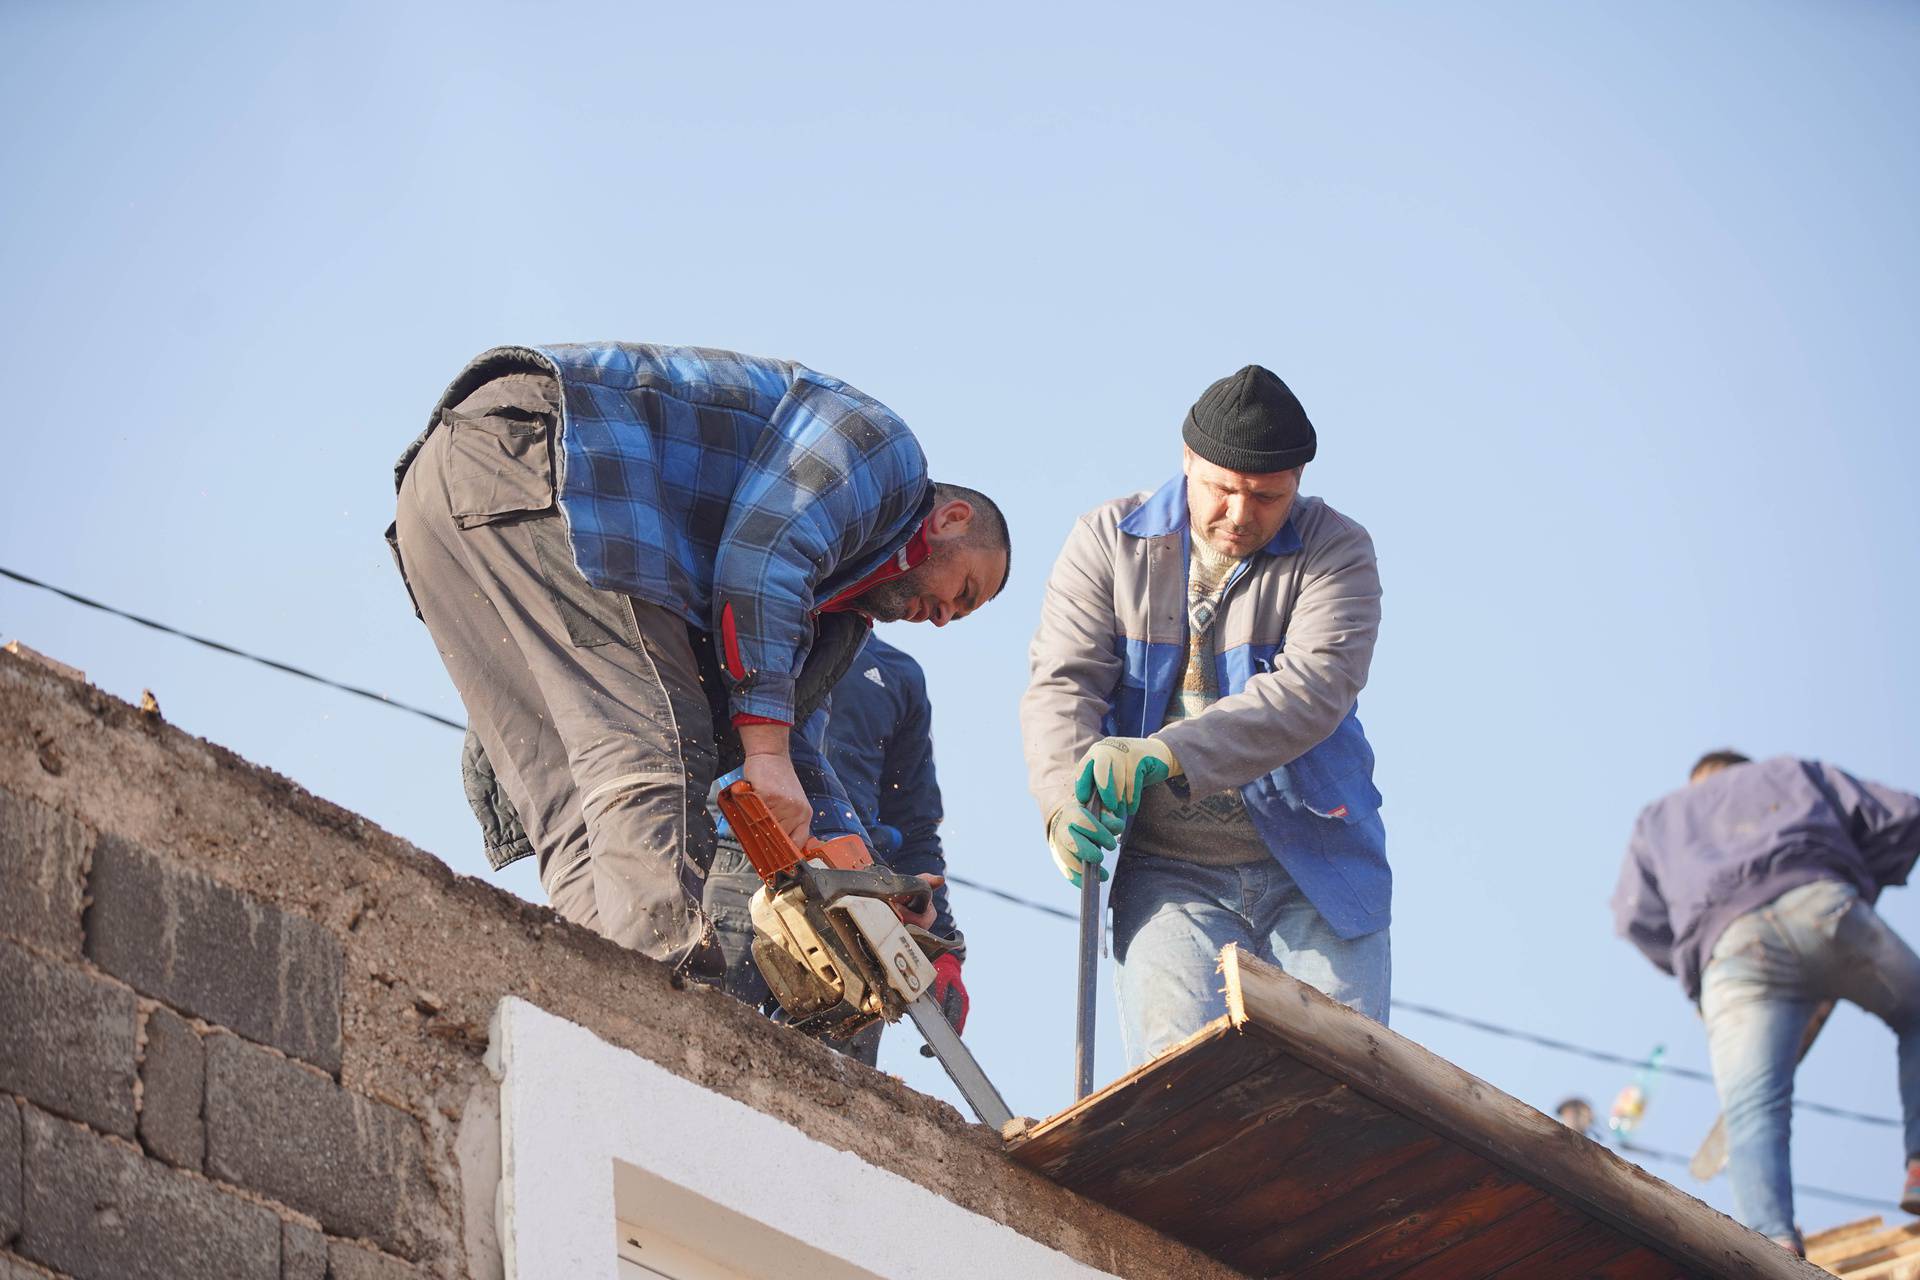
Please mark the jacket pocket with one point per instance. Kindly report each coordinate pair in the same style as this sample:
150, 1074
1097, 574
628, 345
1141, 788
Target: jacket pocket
1335, 779
498, 465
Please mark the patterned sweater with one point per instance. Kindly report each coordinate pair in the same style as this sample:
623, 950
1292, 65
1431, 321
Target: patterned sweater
1214, 830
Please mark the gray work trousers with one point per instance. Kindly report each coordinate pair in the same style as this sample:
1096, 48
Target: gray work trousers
591, 706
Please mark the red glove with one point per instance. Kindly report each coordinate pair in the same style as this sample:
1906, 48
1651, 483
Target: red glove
949, 992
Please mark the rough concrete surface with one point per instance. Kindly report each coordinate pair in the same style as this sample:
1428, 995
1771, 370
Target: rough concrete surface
201, 947
173, 1072
408, 925
346, 1261
303, 1253
95, 1209
14, 1267
43, 859
9, 1171
69, 1041
357, 1165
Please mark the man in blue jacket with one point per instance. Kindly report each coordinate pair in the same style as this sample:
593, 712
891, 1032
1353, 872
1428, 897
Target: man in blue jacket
1195, 674
1754, 886
624, 554
880, 743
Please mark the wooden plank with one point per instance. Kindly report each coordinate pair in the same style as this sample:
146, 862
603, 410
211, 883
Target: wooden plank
1077, 1141
1650, 1264
1579, 1253
1300, 1240
1540, 1225
1819, 1241
1292, 1164
1406, 1078
1893, 1269
1182, 1153
1854, 1252
1443, 1221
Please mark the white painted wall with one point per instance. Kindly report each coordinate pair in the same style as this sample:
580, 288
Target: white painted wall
592, 1134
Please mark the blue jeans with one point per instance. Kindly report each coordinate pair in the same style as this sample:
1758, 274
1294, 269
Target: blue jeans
1767, 973
1171, 919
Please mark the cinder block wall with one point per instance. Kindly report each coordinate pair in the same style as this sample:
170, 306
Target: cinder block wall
241, 1030
170, 1056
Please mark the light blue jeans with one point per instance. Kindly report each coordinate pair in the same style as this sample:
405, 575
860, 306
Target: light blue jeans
1171, 918
1767, 973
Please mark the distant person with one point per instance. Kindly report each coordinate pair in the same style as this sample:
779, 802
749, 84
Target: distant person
1194, 679
626, 555
1576, 1114
1754, 886
880, 743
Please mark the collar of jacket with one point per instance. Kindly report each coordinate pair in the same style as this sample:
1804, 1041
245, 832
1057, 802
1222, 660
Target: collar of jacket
910, 556
1166, 512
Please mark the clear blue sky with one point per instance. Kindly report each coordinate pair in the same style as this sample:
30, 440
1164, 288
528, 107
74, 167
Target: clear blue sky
1605, 313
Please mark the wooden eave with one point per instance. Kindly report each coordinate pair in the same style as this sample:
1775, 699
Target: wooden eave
1295, 1137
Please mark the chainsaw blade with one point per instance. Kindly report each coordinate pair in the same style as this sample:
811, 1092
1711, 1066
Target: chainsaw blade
958, 1061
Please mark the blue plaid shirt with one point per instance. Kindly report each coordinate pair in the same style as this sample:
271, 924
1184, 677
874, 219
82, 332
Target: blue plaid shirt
738, 491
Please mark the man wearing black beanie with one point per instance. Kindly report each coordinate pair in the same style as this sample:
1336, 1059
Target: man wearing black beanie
1194, 682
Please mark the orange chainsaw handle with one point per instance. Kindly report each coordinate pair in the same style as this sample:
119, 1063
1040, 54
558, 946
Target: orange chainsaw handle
771, 849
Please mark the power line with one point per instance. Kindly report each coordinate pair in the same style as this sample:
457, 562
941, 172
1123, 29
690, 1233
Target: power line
1014, 898
1496, 1029
1619, 1060
1800, 1188
218, 647
1490, 1028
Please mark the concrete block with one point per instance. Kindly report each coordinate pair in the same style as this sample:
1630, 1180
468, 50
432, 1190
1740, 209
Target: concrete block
9, 1171
172, 1084
69, 1040
229, 958
96, 1210
43, 874
357, 1165
303, 1253
347, 1261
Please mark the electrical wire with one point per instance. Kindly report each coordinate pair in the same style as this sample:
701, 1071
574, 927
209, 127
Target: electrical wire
218, 647
1477, 1024
1014, 898
1799, 1188
1620, 1060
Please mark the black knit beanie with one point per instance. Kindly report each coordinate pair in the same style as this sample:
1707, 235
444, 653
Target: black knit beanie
1249, 421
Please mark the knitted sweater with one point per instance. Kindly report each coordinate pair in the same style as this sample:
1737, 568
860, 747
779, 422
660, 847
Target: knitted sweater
1214, 830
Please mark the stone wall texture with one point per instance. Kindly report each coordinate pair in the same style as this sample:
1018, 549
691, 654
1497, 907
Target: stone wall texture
241, 1030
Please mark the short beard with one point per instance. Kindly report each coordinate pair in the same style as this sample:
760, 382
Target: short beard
889, 601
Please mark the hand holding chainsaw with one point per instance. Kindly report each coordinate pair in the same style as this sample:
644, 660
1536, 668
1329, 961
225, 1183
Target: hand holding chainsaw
835, 952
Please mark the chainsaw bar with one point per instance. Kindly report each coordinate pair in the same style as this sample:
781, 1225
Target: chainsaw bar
958, 1061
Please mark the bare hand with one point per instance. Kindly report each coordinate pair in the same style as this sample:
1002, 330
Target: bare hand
926, 915
775, 782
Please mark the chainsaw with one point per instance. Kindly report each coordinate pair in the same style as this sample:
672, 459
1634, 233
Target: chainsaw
835, 954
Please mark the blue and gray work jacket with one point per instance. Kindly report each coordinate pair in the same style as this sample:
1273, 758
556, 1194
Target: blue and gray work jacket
1295, 633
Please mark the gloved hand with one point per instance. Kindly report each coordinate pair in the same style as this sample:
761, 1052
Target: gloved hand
949, 992
886, 839
1118, 770
919, 909
1077, 837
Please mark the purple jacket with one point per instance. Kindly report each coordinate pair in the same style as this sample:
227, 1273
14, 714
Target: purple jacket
1741, 837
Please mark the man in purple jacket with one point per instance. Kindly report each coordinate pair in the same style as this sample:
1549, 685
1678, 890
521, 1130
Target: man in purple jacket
1753, 885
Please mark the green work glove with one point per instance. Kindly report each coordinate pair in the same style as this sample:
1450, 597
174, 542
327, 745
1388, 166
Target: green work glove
1077, 838
1118, 770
